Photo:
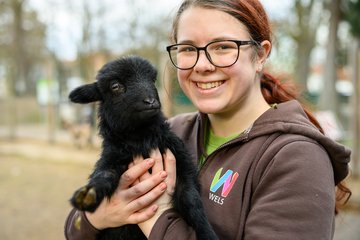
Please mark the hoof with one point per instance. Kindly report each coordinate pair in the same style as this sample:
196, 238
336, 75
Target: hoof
84, 198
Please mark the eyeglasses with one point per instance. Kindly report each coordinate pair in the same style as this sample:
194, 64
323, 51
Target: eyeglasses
222, 53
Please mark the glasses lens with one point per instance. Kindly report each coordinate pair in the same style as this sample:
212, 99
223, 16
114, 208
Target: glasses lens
183, 56
223, 53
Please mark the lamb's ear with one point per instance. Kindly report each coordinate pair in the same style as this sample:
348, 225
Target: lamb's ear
85, 94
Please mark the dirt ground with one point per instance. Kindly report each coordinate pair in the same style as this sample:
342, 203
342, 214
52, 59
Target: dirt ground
35, 188
38, 178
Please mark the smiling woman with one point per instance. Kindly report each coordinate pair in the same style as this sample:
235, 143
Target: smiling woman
262, 157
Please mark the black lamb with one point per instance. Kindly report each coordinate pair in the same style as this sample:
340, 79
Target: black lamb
131, 124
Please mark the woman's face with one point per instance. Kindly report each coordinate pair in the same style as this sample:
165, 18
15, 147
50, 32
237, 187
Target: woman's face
215, 90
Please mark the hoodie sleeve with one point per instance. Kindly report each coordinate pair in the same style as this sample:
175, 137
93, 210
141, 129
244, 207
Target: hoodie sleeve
170, 226
295, 197
77, 227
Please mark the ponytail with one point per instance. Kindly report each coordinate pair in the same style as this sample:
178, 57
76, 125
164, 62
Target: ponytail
275, 91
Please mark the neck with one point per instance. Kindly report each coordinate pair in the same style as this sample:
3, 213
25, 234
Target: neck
228, 123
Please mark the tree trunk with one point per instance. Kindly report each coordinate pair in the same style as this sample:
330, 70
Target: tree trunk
355, 77
16, 69
304, 35
328, 96
18, 50
302, 67
11, 106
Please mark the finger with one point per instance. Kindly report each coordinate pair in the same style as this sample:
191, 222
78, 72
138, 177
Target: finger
133, 173
170, 168
143, 187
137, 180
144, 215
144, 176
137, 160
147, 199
158, 166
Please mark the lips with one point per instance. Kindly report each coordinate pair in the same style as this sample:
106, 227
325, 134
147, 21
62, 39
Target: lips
209, 85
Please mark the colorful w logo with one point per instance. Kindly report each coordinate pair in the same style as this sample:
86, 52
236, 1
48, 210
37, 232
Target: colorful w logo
228, 180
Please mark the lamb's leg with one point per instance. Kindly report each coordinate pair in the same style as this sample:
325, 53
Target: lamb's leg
187, 202
102, 184
84, 198
187, 199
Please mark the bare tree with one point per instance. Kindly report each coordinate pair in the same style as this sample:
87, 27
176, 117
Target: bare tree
352, 16
355, 101
25, 46
328, 96
303, 31
22, 43
85, 49
19, 68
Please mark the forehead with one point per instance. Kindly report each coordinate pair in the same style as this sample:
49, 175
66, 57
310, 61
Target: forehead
202, 25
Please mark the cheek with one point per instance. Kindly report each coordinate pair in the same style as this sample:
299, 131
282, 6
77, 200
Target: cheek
183, 76
242, 75
245, 66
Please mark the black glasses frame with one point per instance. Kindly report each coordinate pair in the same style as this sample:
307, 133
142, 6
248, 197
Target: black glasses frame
198, 49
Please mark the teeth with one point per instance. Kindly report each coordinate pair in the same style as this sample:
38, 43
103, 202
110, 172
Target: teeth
208, 85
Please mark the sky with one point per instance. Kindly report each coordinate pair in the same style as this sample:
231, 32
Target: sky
62, 17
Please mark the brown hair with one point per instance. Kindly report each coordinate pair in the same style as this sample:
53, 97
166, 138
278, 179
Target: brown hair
252, 14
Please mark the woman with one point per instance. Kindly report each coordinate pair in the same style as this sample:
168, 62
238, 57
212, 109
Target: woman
266, 169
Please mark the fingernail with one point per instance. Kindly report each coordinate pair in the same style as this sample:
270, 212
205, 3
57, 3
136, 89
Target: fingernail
150, 161
154, 208
163, 174
162, 186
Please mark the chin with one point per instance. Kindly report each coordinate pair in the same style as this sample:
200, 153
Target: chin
209, 109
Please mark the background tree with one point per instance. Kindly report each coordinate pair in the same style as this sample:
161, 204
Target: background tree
144, 34
302, 28
352, 11
22, 45
329, 97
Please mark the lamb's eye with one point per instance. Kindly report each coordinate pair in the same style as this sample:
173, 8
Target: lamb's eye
117, 87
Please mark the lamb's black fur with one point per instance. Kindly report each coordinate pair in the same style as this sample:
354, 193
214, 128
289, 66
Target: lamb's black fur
131, 123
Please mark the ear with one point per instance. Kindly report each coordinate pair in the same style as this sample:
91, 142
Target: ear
263, 54
85, 94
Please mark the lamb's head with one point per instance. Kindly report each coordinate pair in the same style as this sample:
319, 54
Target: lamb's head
126, 92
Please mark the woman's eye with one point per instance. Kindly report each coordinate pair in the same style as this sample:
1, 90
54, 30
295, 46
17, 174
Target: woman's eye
223, 47
186, 49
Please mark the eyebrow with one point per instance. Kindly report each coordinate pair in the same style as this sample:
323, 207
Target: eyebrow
212, 40
186, 42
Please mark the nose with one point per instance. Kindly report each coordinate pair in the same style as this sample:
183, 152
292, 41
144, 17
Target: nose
149, 101
203, 63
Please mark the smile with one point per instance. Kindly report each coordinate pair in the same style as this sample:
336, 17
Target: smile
209, 85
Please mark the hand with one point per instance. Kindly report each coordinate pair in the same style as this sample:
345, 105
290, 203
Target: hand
166, 162
131, 203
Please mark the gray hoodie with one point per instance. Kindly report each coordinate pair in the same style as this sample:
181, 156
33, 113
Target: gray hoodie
275, 181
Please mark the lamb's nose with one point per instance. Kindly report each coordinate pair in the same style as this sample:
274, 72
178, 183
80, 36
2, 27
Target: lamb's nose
149, 101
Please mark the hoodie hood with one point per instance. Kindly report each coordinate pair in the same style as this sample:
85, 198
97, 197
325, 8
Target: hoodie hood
289, 117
